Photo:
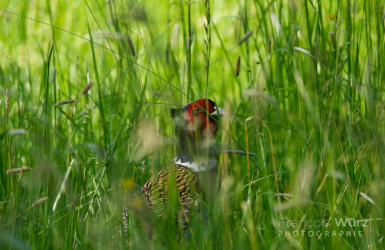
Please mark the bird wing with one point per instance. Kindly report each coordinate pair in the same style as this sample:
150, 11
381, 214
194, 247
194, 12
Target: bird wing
156, 189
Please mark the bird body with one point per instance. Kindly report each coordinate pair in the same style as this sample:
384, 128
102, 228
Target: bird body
196, 125
157, 189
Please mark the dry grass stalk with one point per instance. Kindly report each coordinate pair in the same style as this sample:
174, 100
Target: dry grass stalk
73, 162
39, 201
245, 37
73, 203
18, 170
64, 102
238, 66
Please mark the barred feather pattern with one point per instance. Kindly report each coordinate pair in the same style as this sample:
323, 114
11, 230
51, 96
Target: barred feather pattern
155, 190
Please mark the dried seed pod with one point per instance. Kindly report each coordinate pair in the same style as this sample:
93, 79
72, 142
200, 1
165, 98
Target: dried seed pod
87, 88
245, 37
18, 170
269, 46
64, 102
238, 66
131, 46
39, 201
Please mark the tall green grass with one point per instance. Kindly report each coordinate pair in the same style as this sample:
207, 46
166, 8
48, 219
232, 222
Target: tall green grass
308, 101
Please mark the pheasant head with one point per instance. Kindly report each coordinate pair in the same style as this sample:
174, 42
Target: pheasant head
196, 125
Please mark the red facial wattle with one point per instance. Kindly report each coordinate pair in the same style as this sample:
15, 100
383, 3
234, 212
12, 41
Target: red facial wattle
199, 122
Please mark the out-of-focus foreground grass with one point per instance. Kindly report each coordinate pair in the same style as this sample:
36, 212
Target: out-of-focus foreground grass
308, 101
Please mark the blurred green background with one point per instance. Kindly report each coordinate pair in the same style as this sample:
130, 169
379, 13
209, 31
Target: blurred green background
308, 101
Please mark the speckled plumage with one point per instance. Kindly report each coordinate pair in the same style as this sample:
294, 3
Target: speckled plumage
156, 189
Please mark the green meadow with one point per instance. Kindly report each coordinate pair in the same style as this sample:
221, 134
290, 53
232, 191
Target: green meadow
86, 89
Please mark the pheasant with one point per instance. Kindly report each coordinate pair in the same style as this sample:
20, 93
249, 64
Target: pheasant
196, 124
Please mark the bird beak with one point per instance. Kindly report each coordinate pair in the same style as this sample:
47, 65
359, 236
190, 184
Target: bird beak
220, 112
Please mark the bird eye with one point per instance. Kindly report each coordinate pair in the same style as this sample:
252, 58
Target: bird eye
197, 109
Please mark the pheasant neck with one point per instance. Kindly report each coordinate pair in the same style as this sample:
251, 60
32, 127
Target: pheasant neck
196, 154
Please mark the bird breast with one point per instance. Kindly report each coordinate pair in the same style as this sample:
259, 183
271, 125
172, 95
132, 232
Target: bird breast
198, 166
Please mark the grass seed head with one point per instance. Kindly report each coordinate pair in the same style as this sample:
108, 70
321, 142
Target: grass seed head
238, 66
87, 88
18, 170
245, 37
39, 201
131, 46
64, 102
